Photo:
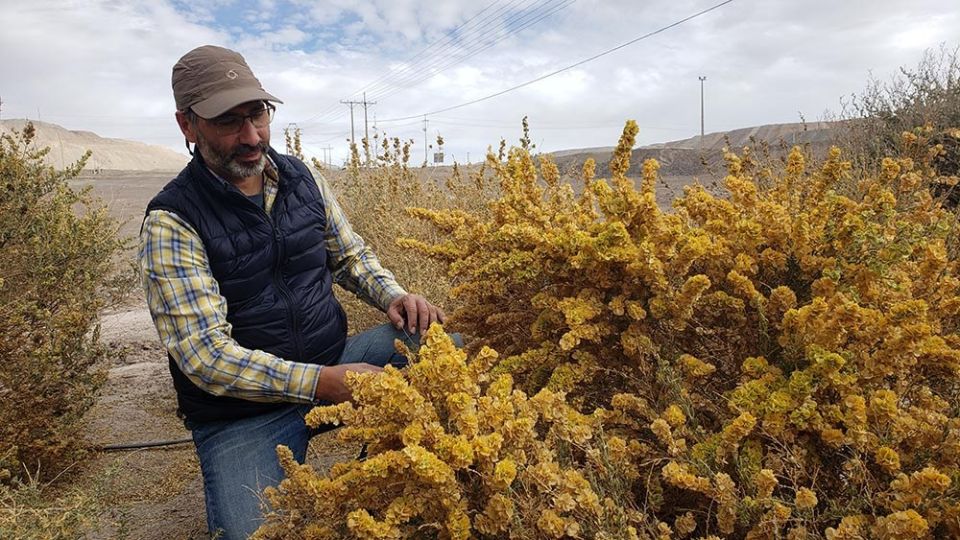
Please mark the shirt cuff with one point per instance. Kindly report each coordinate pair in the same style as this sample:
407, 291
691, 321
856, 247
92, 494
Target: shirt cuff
302, 382
391, 293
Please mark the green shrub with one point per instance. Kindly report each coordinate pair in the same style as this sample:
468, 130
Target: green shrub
57, 252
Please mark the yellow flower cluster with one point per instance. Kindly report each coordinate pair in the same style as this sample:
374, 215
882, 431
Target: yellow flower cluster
782, 361
453, 450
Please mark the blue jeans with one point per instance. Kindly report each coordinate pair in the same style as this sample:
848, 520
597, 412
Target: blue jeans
238, 457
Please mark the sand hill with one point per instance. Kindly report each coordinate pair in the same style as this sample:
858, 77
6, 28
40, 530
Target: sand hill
67, 146
677, 158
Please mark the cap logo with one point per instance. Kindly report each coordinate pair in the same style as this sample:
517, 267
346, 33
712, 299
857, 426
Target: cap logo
232, 74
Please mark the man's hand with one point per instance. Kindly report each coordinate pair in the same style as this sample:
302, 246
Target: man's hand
415, 311
331, 386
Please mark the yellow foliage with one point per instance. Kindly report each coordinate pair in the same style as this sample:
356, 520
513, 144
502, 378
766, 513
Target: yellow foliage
780, 361
447, 452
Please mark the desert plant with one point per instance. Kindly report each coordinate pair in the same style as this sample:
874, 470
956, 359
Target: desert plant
779, 363
454, 454
57, 270
375, 199
292, 137
737, 332
925, 95
30, 511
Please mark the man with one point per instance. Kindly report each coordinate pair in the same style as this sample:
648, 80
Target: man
238, 255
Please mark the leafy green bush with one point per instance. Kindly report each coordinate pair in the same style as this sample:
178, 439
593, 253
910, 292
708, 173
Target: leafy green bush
57, 252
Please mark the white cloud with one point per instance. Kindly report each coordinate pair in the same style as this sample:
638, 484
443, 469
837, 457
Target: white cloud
283, 38
105, 66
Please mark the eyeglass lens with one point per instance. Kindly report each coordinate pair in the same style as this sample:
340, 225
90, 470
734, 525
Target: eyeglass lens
229, 124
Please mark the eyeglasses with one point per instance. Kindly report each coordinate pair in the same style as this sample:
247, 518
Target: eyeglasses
231, 124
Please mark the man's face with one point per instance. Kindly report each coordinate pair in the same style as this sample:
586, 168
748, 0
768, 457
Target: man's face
232, 151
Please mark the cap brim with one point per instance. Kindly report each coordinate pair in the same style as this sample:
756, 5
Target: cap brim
224, 101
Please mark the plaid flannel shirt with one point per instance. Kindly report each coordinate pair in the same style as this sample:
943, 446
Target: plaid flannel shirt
191, 315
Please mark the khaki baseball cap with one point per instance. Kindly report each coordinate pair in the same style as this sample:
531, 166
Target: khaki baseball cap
212, 80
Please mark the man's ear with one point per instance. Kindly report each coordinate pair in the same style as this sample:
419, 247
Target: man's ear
187, 127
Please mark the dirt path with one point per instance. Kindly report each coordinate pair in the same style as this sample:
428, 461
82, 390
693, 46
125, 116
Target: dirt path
147, 494
150, 494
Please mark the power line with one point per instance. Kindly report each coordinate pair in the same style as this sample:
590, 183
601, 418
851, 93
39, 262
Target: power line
409, 75
521, 21
445, 44
407, 63
567, 68
454, 122
339, 136
324, 114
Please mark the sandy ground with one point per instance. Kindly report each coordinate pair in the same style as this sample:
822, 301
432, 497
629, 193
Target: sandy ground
150, 493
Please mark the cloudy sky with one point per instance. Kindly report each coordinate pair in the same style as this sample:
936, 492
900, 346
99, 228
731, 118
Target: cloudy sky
104, 65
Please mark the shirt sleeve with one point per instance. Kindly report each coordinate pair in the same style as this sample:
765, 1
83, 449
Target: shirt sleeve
190, 315
354, 265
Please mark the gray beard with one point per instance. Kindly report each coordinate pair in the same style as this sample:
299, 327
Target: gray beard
226, 163
244, 171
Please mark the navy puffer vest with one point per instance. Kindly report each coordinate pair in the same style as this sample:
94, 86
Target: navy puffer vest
272, 269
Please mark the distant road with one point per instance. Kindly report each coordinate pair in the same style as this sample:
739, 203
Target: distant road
126, 192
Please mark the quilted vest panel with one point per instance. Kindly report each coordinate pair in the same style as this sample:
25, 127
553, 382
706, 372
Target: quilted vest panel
272, 270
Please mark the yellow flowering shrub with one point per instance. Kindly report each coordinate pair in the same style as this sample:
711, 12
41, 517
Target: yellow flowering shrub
454, 452
375, 197
778, 362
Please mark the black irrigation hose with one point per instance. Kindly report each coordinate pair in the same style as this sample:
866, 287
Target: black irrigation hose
362, 456
142, 445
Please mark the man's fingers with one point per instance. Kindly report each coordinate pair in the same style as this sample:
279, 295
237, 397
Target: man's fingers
393, 313
410, 312
332, 385
423, 314
416, 312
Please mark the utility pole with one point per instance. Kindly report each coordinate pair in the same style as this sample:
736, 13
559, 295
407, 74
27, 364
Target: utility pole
366, 130
328, 155
425, 145
353, 139
702, 78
